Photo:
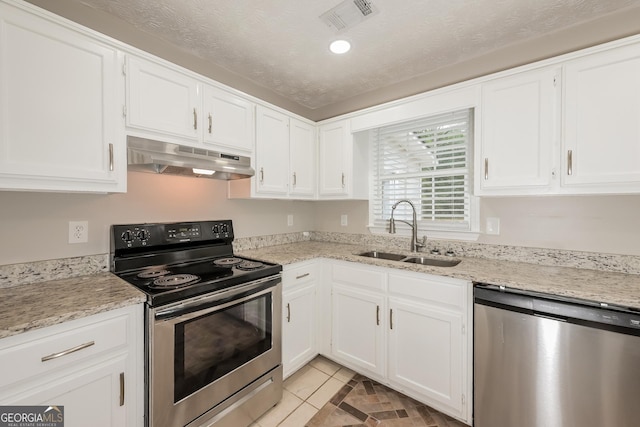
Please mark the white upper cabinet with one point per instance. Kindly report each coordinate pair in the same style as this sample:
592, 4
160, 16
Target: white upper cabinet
285, 159
335, 149
518, 134
162, 100
60, 92
343, 162
165, 103
272, 152
601, 145
302, 159
228, 120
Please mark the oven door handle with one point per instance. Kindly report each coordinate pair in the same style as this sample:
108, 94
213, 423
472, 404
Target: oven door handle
214, 301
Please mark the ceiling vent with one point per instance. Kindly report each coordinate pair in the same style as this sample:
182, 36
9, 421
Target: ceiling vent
347, 14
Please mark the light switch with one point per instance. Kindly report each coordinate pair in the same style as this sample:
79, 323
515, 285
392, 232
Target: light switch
290, 220
343, 220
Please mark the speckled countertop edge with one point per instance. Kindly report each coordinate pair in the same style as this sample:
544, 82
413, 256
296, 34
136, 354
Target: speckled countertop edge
42, 304
598, 286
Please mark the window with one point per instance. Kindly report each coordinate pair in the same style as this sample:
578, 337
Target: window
426, 161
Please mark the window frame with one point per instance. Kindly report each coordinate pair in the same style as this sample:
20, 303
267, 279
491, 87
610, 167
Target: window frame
439, 230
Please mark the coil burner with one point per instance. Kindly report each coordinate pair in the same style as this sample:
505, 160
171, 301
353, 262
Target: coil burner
152, 274
174, 281
227, 262
249, 265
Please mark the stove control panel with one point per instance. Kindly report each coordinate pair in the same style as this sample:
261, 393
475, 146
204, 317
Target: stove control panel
151, 235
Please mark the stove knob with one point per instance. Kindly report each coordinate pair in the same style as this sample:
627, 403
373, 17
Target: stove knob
224, 228
127, 236
142, 235
215, 229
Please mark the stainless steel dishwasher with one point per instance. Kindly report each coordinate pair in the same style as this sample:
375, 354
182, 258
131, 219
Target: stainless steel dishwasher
541, 361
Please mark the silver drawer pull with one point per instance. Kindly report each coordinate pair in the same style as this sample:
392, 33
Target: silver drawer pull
570, 162
302, 275
68, 351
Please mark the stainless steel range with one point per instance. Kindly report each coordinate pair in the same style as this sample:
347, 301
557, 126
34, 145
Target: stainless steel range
212, 323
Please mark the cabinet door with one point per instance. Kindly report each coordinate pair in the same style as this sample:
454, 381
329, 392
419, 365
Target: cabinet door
335, 148
299, 327
227, 120
90, 396
59, 91
161, 100
425, 353
518, 132
272, 151
602, 116
302, 148
358, 329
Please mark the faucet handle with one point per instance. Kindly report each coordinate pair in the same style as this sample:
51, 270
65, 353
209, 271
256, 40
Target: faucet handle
421, 243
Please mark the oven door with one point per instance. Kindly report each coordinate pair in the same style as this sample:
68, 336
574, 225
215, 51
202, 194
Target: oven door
206, 349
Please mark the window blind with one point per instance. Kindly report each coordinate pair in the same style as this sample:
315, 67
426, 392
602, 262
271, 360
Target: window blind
425, 161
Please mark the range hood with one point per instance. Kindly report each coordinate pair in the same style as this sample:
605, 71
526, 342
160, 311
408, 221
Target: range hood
146, 155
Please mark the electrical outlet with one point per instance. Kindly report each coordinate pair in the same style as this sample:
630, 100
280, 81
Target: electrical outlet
343, 220
78, 231
290, 220
493, 226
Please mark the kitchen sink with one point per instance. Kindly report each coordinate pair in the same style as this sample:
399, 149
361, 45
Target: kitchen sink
432, 261
383, 255
413, 260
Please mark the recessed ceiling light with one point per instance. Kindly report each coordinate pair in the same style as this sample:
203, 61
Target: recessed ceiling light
339, 46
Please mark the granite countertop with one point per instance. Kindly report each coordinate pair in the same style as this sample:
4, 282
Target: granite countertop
603, 287
42, 304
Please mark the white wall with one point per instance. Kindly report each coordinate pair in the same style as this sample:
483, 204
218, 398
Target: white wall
34, 226
607, 224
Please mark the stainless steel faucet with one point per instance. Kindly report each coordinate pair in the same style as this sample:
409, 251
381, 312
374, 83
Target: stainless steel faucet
415, 244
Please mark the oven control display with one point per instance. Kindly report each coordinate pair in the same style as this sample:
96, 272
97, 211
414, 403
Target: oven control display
183, 232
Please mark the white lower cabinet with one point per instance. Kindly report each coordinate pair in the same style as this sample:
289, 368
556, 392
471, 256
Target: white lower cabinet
407, 330
91, 366
299, 323
357, 331
425, 352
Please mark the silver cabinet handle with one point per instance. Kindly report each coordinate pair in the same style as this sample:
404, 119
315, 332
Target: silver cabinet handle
391, 318
570, 162
295, 180
210, 123
261, 175
68, 351
195, 119
342, 179
486, 168
302, 275
121, 388
288, 313
111, 157
377, 315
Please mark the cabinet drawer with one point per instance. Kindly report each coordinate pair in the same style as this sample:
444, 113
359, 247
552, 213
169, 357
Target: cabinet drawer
450, 292
299, 274
359, 275
38, 352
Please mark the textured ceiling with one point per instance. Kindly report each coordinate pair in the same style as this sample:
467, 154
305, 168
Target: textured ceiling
282, 44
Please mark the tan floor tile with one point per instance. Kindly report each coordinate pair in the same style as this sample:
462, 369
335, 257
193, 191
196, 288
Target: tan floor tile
304, 382
344, 375
279, 412
321, 396
327, 366
300, 416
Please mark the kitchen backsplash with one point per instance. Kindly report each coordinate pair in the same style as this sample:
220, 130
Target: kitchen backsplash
19, 274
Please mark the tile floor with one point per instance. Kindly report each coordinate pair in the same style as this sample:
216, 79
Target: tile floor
325, 394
